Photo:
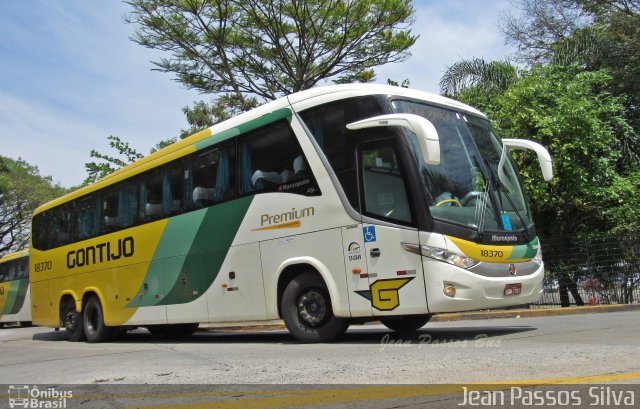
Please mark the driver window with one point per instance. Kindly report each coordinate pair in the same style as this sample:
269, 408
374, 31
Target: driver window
383, 185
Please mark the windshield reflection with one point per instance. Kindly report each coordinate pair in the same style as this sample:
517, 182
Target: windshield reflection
476, 184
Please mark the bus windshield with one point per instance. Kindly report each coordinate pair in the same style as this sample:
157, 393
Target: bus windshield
476, 184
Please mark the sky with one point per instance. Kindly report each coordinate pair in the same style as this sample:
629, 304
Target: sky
70, 76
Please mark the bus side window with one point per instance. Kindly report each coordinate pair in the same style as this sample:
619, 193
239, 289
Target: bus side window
209, 177
383, 185
60, 226
88, 214
271, 159
24, 268
111, 221
120, 206
128, 203
172, 188
151, 200
327, 124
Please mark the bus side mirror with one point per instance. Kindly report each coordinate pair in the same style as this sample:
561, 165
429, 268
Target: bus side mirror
543, 155
427, 134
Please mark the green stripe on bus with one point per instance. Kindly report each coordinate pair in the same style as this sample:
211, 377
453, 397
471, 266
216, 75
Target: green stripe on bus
246, 127
525, 251
190, 253
176, 240
16, 296
208, 251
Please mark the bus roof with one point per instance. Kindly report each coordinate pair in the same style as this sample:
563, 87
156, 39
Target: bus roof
13, 256
188, 145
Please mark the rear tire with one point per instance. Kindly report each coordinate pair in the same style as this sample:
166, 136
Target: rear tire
410, 323
93, 321
71, 321
307, 312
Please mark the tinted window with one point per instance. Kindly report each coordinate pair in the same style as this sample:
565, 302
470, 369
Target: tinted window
14, 269
383, 185
265, 160
210, 176
327, 124
271, 159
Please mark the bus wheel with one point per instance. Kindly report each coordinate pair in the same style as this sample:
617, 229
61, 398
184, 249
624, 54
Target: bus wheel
72, 322
409, 323
307, 312
93, 319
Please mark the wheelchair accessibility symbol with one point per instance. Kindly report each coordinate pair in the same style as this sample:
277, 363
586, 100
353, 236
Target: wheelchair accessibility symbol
369, 234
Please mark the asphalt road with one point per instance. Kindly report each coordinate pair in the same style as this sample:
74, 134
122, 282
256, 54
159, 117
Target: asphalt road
575, 349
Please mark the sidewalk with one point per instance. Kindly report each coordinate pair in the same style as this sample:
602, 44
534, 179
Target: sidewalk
275, 325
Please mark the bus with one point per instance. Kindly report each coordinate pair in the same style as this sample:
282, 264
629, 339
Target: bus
15, 303
331, 206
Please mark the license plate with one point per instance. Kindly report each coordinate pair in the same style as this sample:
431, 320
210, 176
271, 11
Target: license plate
512, 289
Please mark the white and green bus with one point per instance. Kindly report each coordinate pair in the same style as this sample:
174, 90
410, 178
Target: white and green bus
331, 206
15, 304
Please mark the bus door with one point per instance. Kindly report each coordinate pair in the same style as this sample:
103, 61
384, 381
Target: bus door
395, 276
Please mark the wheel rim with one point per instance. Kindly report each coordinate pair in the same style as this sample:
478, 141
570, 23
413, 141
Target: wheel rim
71, 321
312, 307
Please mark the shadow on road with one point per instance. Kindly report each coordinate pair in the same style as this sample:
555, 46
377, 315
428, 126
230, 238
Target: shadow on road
363, 335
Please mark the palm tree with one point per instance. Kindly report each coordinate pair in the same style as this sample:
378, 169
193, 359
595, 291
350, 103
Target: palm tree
477, 73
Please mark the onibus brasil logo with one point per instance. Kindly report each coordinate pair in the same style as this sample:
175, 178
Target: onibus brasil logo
25, 396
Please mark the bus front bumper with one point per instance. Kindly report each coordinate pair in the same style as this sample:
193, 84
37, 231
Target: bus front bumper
475, 292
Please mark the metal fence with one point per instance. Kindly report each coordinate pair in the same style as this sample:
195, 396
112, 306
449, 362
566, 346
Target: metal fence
591, 270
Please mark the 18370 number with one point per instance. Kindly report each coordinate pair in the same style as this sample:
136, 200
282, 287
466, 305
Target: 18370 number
45, 265
492, 253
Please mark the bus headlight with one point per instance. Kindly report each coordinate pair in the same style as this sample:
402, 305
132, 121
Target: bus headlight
538, 257
440, 254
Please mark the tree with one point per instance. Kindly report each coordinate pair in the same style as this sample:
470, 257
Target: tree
250, 52
125, 155
488, 77
570, 112
109, 164
540, 24
22, 190
264, 49
203, 115
594, 34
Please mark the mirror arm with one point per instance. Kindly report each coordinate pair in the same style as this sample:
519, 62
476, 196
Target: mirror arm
546, 165
427, 134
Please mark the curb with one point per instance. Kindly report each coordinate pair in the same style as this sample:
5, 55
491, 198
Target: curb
535, 312
278, 325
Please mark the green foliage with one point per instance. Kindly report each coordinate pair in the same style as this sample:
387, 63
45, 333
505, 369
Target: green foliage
583, 105
22, 190
478, 75
250, 52
203, 115
98, 170
568, 111
624, 214
404, 84
594, 34
269, 48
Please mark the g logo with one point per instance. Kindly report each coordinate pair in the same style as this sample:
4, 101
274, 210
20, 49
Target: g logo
384, 293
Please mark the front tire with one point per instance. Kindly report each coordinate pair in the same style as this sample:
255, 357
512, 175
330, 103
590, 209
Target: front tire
407, 324
307, 312
93, 321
